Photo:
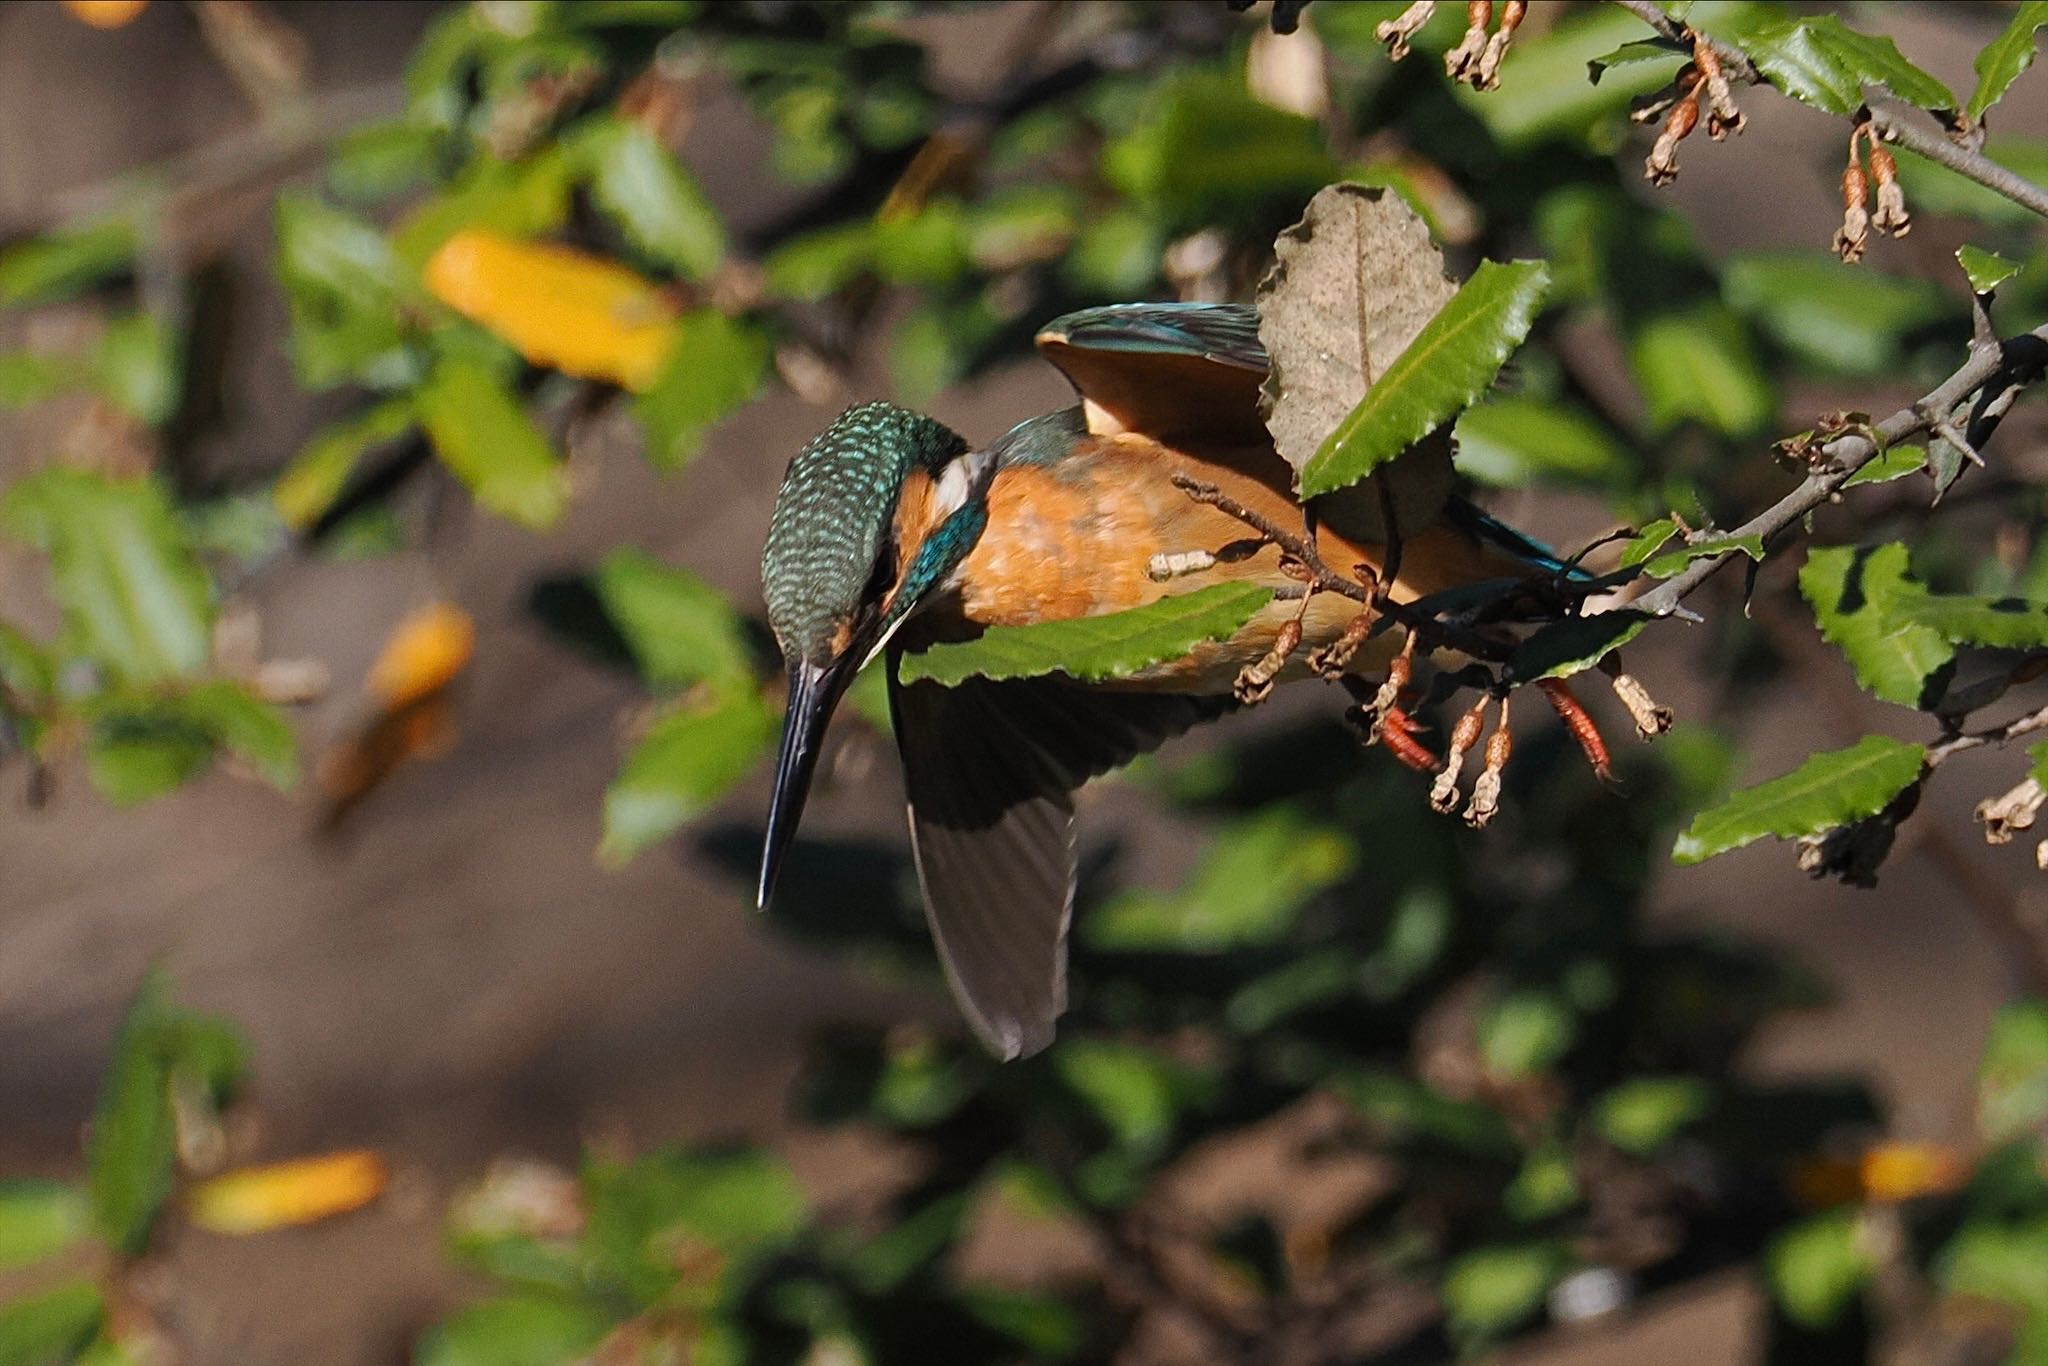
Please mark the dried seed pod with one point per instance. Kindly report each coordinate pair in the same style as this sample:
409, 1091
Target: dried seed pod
2006, 815
1332, 659
1255, 681
1461, 63
1398, 671
1579, 724
1486, 790
1443, 796
1497, 46
1891, 215
1396, 32
1723, 117
1651, 720
1854, 234
1661, 167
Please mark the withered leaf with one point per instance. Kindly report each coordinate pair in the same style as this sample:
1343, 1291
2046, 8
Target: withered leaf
1351, 285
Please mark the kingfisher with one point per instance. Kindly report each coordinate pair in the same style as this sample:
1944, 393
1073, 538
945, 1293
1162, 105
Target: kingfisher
892, 533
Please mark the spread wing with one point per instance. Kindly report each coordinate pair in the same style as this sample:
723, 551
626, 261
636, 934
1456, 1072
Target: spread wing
990, 769
1171, 371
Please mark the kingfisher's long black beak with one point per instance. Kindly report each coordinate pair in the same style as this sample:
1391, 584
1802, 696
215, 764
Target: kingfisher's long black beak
814, 690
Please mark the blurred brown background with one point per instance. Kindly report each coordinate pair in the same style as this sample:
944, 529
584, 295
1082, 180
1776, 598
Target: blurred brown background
454, 977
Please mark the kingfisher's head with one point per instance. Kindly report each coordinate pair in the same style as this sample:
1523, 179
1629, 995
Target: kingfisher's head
875, 513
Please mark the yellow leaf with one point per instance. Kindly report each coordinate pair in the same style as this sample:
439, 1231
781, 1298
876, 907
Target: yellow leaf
105, 13
1883, 1174
423, 655
558, 307
284, 1194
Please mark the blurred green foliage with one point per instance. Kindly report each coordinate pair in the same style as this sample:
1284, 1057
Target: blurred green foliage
1535, 1100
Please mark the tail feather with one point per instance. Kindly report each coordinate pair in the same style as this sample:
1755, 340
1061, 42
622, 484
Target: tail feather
1490, 531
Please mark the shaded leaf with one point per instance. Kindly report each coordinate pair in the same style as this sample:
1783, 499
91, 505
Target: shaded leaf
516, 199
521, 1330
1252, 881
139, 365
321, 469
346, 289
1697, 363
1855, 594
1644, 1114
250, 729
59, 265
2006, 56
1094, 649
1987, 269
714, 366
135, 599
1513, 442
1489, 1291
1999, 1261
486, 439
1545, 94
1574, 645
1835, 318
738, 1203
1830, 789
39, 1219
681, 629
689, 758
1934, 188
1201, 145
2012, 1079
1816, 1267
1451, 361
51, 1328
557, 306
1134, 1091
1525, 1032
643, 187
286, 1194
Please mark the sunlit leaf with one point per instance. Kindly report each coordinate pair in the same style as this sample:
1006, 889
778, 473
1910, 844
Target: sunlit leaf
681, 629
522, 1330
1815, 1268
1452, 360
1895, 462
516, 199
643, 187
134, 598
1830, 789
1248, 888
1999, 1261
2006, 56
39, 1219
1525, 1032
689, 759
1987, 269
486, 439
423, 654
1134, 1091
1641, 50
557, 306
285, 1194
379, 160
1819, 60
59, 265
1490, 1290
140, 368
1093, 649
1667, 563
736, 1204
1644, 1114
1544, 91
1855, 595
713, 367
250, 729
347, 291
820, 263
318, 473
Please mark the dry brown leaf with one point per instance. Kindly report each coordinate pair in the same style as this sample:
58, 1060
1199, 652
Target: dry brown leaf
1351, 285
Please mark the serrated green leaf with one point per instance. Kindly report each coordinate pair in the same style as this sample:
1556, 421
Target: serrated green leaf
1997, 623
51, 1328
1251, 883
1830, 789
347, 290
1671, 562
1513, 442
1819, 60
1491, 1290
688, 760
1855, 593
1987, 269
2012, 1080
681, 630
1648, 542
135, 599
1094, 649
1630, 54
320, 470
39, 1219
1815, 1268
1896, 462
714, 368
485, 438
653, 197
2006, 56
1574, 645
520, 1330
59, 265
1453, 359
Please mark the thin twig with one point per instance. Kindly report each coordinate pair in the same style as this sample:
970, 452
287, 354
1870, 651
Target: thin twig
1995, 735
1888, 119
1734, 62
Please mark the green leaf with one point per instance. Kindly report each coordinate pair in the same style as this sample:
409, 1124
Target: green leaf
2006, 56
1642, 50
132, 1145
1201, 144
1856, 593
515, 198
347, 292
1934, 189
1115, 254
2012, 1080
379, 160
1996, 623
1574, 645
318, 473
2001, 1262
59, 265
1525, 1032
521, 1330
928, 247
1514, 442
1697, 363
39, 1219
1830, 789
1491, 1290
1453, 359
1045, 1325
1835, 319
486, 439
52, 1328
140, 749
742, 1203
250, 729
1672, 562
1251, 883
1895, 462
1132, 1090
1406, 1108
689, 759
714, 368
1816, 1267
1648, 542
818, 264
1987, 269
649, 193
27, 378
1642, 1115
135, 599
140, 368
1819, 60
682, 630
1094, 649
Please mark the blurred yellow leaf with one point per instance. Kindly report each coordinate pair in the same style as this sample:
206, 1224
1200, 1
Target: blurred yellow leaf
284, 1194
558, 307
1883, 1174
423, 654
105, 13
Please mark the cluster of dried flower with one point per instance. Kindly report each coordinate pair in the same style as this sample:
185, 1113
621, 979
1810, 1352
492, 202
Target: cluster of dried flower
1702, 85
1857, 221
1477, 57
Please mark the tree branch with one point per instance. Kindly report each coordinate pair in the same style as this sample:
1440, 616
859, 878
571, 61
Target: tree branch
1887, 118
1734, 61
